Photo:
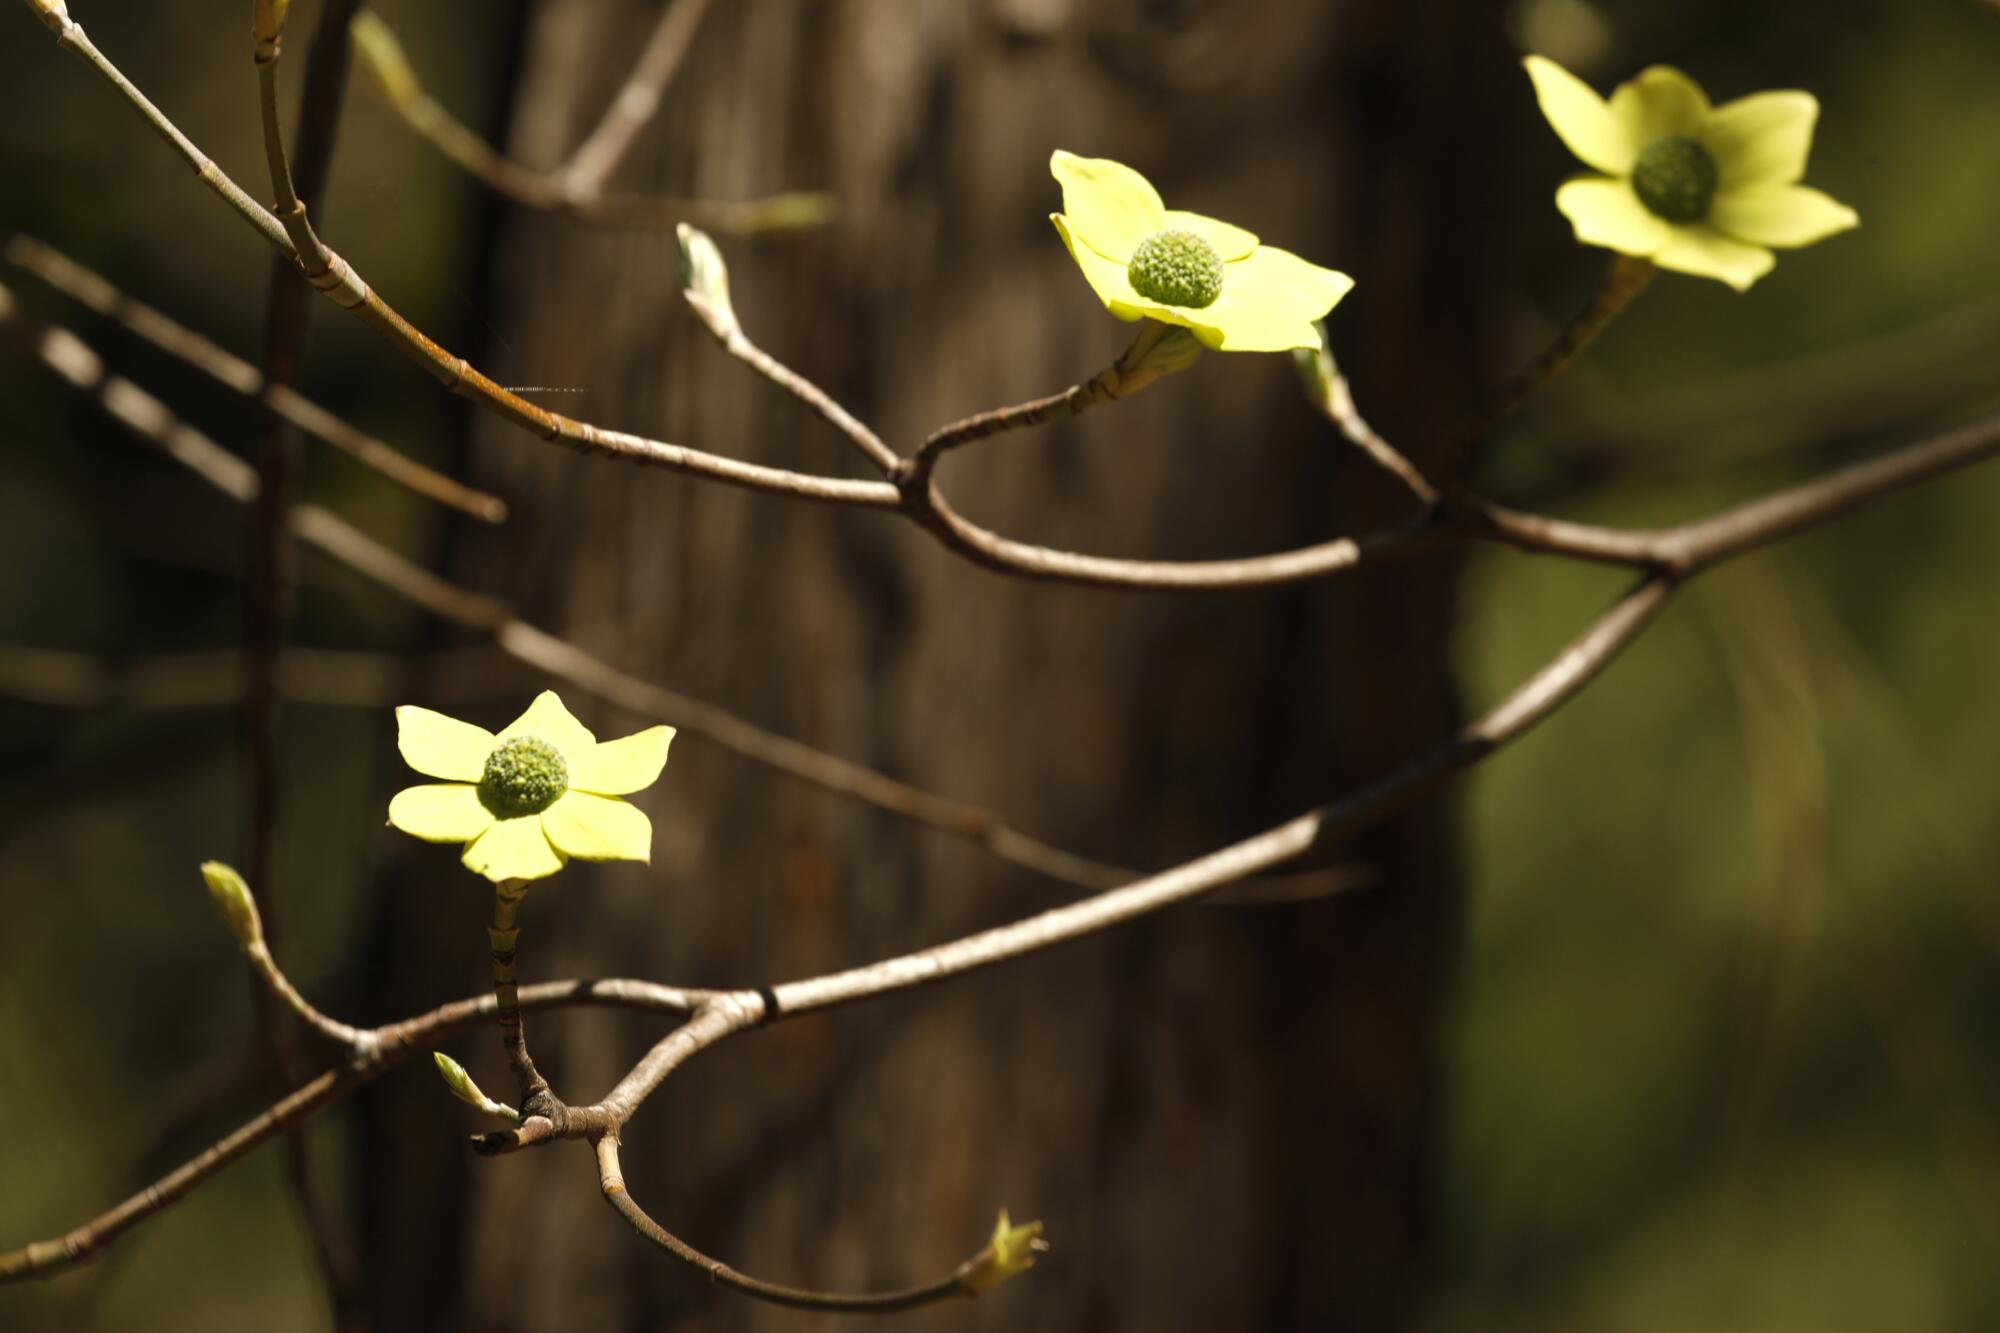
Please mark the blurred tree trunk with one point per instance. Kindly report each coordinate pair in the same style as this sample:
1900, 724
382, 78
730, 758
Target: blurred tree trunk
1226, 1116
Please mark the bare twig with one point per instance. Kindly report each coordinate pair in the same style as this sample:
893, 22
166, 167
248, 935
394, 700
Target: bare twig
152, 421
93, 291
266, 595
1624, 278
576, 190
611, 1179
717, 1014
1328, 390
391, 1046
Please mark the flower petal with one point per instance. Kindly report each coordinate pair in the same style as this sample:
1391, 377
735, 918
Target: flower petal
1108, 278
1762, 137
1662, 103
513, 849
445, 812
547, 718
1580, 117
1230, 241
1606, 212
598, 828
623, 766
1268, 303
1781, 215
1111, 207
1707, 253
440, 746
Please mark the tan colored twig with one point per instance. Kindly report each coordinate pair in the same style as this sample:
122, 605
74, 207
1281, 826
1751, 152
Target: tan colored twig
93, 291
611, 1180
1328, 390
390, 1046
153, 422
1624, 278
1682, 552
576, 189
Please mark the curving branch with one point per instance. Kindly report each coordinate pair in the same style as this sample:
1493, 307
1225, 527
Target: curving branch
576, 189
961, 1281
390, 1046
152, 421
1680, 553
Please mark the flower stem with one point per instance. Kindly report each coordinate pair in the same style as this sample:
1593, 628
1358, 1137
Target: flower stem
504, 935
1624, 278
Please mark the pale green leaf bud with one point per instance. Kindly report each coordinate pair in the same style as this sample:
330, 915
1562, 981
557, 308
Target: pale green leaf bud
463, 1088
706, 278
232, 899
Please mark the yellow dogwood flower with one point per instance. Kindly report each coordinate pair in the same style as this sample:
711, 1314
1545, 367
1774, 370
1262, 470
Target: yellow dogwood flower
1147, 261
526, 801
1694, 188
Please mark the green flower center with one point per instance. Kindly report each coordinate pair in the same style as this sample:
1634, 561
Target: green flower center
1177, 268
524, 776
1675, 178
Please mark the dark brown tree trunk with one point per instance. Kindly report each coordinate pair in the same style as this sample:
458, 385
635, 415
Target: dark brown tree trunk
1226, 1116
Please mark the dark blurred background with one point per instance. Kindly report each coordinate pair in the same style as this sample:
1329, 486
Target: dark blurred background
1680, 1014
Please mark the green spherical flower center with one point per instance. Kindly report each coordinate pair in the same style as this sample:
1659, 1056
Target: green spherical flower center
1675, 178
524, 776
1176, 267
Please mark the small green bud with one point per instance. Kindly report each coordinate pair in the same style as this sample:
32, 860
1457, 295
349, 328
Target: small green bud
463, 1088
1012, 1250
232, 899
706, 278
378, 46
1176, 267
1676, 179
524, 776
267, 20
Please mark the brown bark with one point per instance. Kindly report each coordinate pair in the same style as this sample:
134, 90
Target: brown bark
1226, 1117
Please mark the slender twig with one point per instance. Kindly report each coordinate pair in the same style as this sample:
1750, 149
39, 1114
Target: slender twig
923, 504
266, 595
505, 936
637, 102
1784, 514
1624, 278
153, 422
1329, 391
575, 190
97, 294
611, 1179
721, 322
392, 1045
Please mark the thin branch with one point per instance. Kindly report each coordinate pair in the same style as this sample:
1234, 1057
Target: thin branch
391, 1046
576, 189
637, 102
153, 422
721, 322
1624, 278
611, 1180
1328, 390
96, 293
717, 1014
924, 504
